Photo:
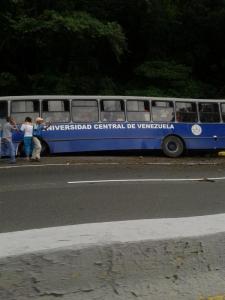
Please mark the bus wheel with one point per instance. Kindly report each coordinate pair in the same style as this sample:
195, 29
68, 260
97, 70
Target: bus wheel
44, 149
172, 146
20, 150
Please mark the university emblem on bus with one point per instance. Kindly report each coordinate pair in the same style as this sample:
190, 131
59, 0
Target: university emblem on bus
196, 129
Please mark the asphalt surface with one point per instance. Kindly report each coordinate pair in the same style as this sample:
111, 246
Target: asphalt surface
39, 195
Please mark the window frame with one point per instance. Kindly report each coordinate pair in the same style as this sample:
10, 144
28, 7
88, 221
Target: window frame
172, 109
84, 100
123, 111
3, 117
33, 114
6, 111
188, 113
221, 112
144, 112
208, 112
56, 111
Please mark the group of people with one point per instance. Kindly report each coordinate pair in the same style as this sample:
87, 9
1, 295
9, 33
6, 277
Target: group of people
31, 139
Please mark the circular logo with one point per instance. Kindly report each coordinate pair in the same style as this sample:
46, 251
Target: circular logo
196, 129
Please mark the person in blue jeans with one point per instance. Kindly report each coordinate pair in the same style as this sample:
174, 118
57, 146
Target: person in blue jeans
27, 129
7, 143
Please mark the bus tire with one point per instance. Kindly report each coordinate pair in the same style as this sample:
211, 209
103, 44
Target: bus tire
20, 150
45, 151
172, 146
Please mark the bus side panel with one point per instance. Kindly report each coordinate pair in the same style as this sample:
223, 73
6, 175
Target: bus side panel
128, 136
103, 145
120, 136
209, 136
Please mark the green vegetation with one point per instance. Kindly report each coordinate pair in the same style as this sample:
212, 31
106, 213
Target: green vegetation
142, 47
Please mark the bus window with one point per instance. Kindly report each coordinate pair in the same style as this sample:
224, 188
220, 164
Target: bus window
24, 108
56, 110
85, 111
186, 112
138, 110
209, 112
112, 110
162, 111
3, 112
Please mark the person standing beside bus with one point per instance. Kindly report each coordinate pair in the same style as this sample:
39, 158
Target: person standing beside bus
27, 128
37, 130
7, 143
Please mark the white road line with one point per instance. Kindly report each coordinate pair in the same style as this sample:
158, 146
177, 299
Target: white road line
33, 165
147, 180
184, 163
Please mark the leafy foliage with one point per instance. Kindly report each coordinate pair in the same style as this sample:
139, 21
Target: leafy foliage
145, 47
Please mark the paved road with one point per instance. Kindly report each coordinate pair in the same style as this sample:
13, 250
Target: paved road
40, 196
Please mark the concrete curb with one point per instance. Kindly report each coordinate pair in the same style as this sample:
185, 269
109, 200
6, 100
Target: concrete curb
143, 259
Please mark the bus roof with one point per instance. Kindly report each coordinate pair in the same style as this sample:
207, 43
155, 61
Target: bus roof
100, 97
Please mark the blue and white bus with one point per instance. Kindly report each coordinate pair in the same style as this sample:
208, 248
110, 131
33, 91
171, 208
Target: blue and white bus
102, 123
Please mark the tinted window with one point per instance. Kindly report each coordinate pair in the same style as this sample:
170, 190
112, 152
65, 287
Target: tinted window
112, 110
186, 112
22, 109
56, 110
209, 112
138, 110
162, 111
85, 110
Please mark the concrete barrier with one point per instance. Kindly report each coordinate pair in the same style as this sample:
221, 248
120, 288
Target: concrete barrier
143, 259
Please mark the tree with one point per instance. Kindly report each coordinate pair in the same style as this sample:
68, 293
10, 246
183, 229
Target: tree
59, 48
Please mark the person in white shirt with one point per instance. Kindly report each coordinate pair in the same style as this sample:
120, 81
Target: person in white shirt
27, 128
